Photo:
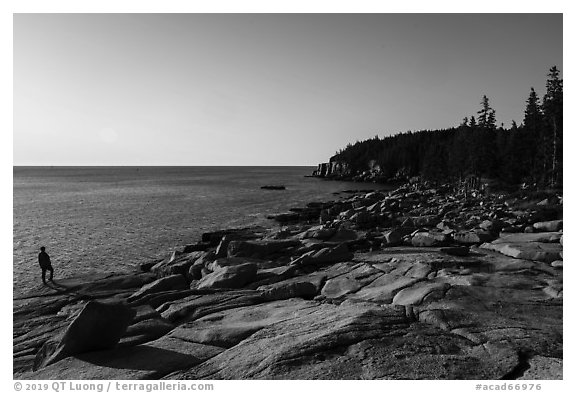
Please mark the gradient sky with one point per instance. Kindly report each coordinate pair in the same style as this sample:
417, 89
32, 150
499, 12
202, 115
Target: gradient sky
261, 89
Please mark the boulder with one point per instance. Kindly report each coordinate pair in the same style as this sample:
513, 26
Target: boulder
306, 286
146, 330
221, 263
222, 249
272, 275
195, 272
414, 295
429, 239
259, 249
350, 282
557, 264
199, 305
98, 326
543, 368
344, 235
544, 237
174, 282
493, 226
326, 255
548, 226
383, 289
320, 233
178, 263
228, 328
291, 289
235, 276
533, 251
395, 236
470, 238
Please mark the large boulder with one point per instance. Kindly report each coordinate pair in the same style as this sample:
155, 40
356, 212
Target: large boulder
533, 251
543, 237
259, 249
318, 232
383, 289
289, 289
197, 305
326, 255
146, 330
229, 327
429, 239
171, 283
350, 282
221, 263
306, 287
235, 276
395, 236
542, 367
98, 326
344, 235
178, 263
273, 275
414, 295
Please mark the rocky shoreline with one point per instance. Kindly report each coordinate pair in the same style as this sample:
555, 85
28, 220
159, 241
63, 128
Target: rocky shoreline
416, 283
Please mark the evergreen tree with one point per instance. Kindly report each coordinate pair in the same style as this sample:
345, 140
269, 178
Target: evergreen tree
527, 151
552, 139
486, 115
483, 154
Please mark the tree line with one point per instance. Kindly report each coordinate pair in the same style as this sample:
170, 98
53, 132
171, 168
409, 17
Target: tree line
528, 153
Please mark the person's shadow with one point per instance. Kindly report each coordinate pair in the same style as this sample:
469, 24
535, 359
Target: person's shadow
53, 284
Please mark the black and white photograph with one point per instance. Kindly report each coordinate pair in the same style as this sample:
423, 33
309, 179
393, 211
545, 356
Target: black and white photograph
204, 196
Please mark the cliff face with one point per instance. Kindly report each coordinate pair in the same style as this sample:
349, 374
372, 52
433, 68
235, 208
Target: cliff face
332, 169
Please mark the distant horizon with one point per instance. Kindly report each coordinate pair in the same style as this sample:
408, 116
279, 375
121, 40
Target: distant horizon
164, 166
261, 89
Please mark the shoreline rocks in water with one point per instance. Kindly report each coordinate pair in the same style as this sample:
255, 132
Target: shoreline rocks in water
416, 283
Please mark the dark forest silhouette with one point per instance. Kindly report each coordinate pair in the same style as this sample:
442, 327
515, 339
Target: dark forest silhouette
529, 153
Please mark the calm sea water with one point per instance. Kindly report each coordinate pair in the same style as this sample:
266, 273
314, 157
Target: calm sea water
98, 219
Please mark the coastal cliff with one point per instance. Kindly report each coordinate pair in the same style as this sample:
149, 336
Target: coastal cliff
417, 283
339, 170
331, 169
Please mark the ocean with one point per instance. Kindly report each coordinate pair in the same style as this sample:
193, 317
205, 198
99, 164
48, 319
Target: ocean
111, 219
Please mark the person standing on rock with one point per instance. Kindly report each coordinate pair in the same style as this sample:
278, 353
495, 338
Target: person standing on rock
45, 264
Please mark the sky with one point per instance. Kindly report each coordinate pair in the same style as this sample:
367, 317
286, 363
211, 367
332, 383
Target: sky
261, 89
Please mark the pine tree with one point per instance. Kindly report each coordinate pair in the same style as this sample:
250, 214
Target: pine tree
486, 115
529, 154
552, 107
